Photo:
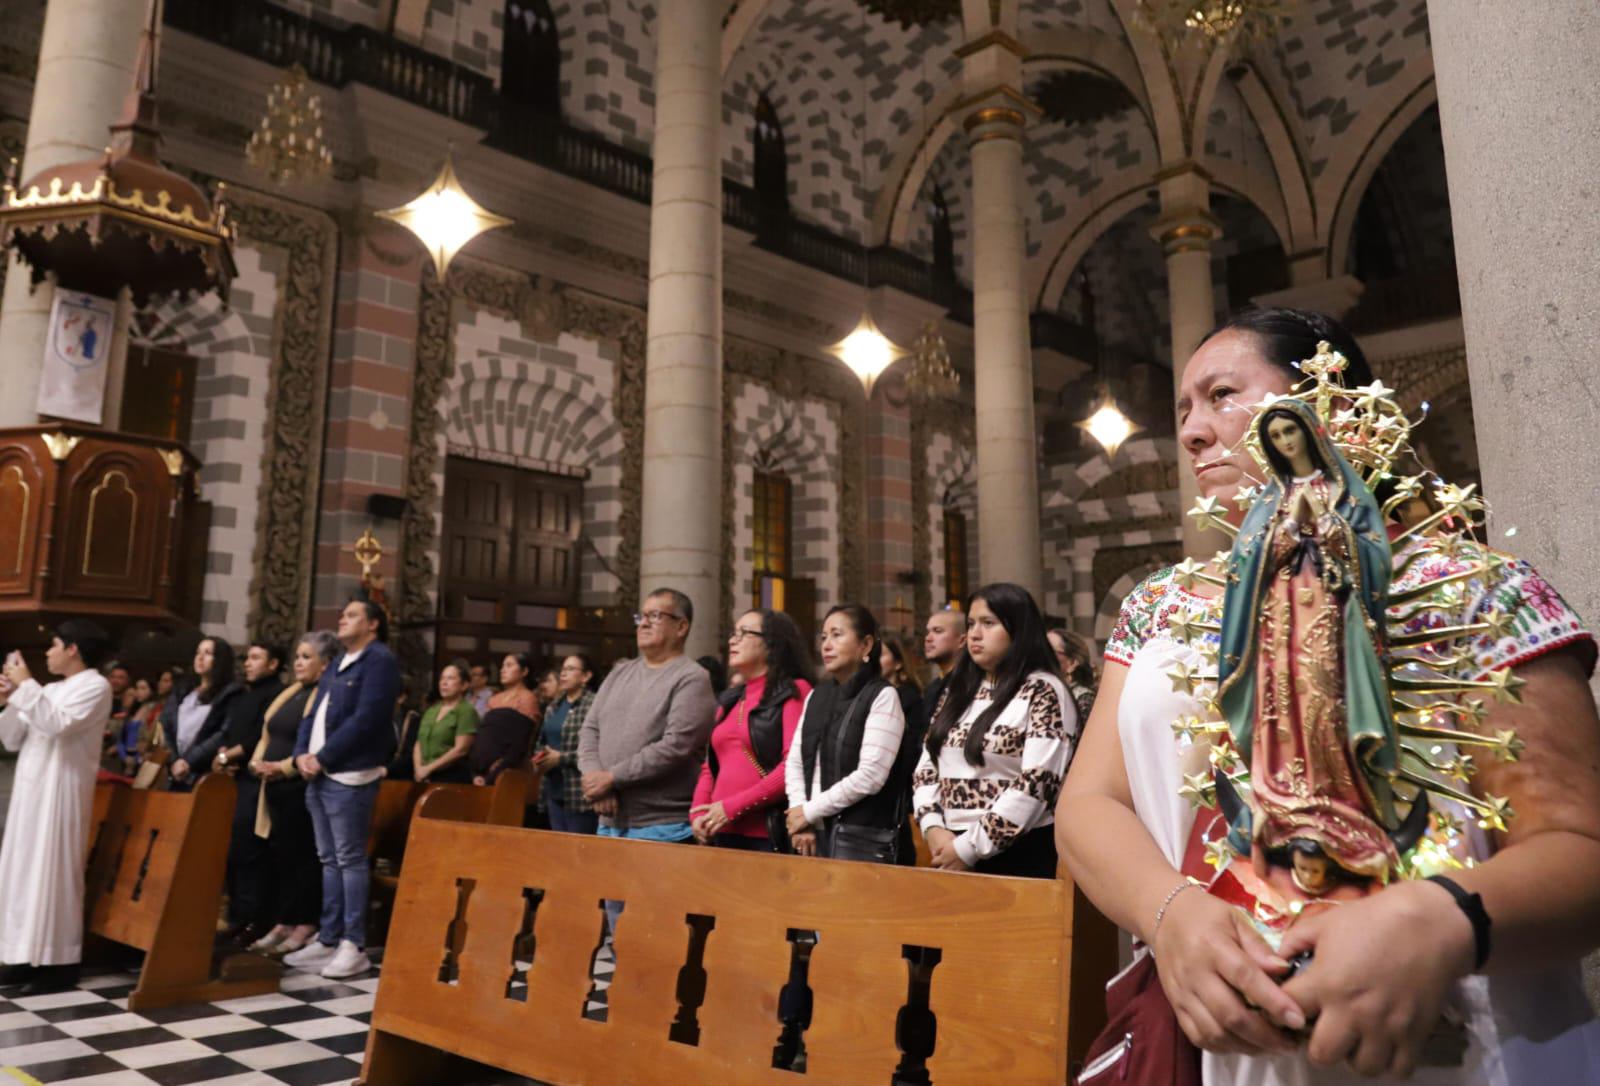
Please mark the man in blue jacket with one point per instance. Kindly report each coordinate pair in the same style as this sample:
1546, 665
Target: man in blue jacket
343, 745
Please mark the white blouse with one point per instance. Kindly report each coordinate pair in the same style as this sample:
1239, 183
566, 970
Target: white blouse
1533, 1029
880, 745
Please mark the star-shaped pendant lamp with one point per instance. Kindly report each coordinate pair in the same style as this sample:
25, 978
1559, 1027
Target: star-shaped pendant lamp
444, 218
867, 351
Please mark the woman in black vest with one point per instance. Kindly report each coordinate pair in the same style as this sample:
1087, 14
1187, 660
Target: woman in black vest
739, 800
848, 774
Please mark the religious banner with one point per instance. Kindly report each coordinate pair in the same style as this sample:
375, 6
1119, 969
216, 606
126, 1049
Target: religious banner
72, 382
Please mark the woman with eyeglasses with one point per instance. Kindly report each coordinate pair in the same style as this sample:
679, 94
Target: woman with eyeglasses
999, 746
558, 752
738, 802
848, 774
506, 730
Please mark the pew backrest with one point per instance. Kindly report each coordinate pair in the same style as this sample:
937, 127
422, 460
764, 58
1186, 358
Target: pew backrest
503, 927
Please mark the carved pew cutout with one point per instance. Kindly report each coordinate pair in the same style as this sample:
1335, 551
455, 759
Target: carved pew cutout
862, 974
154, 883
397, 803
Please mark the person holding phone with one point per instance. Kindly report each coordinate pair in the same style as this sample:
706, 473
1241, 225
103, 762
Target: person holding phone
57, 728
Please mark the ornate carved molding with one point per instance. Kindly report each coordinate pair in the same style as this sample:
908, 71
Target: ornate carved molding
291, 468
544, 309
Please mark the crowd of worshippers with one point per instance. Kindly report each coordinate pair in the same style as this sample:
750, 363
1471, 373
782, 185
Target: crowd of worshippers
758, 751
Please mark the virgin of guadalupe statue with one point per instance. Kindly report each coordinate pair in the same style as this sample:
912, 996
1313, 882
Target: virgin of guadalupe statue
1301, 676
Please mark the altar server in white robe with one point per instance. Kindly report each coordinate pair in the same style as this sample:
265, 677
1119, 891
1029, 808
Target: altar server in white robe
58, 729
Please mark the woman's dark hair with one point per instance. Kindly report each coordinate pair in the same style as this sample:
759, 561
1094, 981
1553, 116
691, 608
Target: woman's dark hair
718, 672
1275, 458
865, 624
220, 677
1030, 651
898, 650
525, 662
1077, 646
788, 657
1289, 336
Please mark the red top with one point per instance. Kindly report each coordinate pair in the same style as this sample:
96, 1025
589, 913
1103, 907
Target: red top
739, 787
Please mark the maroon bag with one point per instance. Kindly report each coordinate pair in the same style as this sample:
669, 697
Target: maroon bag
1142, 1044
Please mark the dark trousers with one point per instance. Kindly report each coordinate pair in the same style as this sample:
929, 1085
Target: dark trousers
1031, 856
565, 821
295, 894
247, 855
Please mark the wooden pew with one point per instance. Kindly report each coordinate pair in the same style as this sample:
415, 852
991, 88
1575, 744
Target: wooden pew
156, 869
396, 804
705, 941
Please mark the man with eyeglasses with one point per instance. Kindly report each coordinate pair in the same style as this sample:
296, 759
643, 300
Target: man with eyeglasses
643, 738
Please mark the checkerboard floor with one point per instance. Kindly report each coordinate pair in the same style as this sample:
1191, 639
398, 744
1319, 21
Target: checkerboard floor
313, 1031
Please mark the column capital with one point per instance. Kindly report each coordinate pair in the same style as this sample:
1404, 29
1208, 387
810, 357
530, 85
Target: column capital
997, 112
1186, 230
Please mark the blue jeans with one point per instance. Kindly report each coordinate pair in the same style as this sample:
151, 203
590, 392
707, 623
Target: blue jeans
341, 818
565, 821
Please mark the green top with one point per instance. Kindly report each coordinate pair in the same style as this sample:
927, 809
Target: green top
439, 731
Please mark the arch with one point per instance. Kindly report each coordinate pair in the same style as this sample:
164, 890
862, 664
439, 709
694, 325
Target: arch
742, 22
1063, 247
1288, 158
533, 411
1352, 172
1073, 481
1161, 87
1258, 192
915, 152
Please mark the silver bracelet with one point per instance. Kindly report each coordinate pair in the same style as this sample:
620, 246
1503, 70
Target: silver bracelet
1161, 913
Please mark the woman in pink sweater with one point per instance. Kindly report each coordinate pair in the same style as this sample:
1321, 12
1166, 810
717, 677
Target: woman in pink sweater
741, 783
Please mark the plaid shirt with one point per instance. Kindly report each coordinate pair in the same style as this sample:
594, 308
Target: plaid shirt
571, 779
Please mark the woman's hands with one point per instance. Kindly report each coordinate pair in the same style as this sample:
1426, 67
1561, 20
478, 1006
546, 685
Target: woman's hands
796, 821
942, 849
707, 821
1219, 976
1381, 970
805, 844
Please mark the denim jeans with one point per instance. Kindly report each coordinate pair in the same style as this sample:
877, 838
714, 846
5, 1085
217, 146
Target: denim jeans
341, 818
564, 821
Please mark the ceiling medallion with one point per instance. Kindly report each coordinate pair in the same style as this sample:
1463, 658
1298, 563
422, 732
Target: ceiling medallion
910, 13
288, 145
1216, 19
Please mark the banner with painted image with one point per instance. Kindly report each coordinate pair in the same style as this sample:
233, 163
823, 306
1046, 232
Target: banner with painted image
72, 383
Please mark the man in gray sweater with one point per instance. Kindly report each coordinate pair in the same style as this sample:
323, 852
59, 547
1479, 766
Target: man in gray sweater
646, 733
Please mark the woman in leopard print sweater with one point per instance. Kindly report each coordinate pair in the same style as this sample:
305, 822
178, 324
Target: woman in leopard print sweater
999, 745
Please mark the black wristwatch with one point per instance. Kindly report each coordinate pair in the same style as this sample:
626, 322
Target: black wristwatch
1472, 906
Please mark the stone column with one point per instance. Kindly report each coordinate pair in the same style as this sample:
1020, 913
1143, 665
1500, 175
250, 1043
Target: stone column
1186, 230
87, 58
1520, 108
681, 519
1008, 447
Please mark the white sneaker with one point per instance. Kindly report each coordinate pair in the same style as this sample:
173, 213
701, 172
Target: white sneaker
348, 962
314, 955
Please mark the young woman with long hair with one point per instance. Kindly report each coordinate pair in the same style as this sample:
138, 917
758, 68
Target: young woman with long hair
998, 748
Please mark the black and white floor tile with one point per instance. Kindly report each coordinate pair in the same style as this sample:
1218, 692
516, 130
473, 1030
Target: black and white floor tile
312, 1032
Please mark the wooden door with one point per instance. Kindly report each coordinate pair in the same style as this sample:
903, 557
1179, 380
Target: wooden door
479, 521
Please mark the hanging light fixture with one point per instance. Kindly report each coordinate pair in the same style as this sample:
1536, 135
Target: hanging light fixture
932, 377
867, 351
1108, 425
288, 145
444, 218
1215, 19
